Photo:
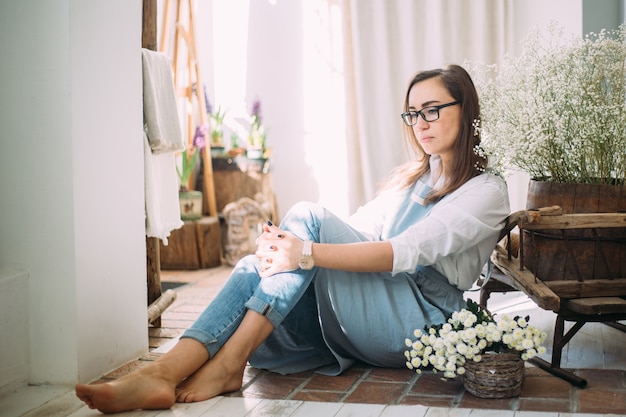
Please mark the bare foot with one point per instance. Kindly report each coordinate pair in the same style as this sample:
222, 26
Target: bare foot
211, 380
130, 392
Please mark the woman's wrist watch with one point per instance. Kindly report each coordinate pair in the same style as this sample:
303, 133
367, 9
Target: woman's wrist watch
306, 261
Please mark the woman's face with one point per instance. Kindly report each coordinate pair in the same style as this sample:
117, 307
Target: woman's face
437, 137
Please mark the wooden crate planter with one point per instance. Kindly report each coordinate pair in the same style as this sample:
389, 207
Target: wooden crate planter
197, 245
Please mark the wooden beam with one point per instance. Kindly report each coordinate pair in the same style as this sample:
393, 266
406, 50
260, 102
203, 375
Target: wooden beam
153, 262
149, 25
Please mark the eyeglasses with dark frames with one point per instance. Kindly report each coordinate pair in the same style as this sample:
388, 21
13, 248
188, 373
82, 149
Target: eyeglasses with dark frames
429, 114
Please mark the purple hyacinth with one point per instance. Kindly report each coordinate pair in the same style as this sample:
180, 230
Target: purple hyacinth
199, 140
256, 109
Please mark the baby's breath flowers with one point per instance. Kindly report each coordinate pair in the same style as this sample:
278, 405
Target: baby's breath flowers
466, 336
557, 110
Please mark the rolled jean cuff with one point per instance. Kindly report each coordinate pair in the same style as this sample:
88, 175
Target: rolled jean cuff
211, 343
265, 309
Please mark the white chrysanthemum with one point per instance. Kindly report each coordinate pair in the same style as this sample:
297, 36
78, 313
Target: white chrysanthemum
408, 342
417, 333
462, 348
528, 344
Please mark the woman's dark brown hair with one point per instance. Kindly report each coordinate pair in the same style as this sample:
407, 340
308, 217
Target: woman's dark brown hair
467, 163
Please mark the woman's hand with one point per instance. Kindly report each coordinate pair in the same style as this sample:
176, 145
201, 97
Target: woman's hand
278, 251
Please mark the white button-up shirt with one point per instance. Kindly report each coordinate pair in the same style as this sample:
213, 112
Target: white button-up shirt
457, 235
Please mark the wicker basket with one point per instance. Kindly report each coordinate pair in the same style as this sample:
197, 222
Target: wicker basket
497, 375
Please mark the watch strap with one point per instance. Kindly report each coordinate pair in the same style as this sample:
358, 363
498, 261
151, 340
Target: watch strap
307, 248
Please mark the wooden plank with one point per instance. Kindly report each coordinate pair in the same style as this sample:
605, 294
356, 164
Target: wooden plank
360, 410
410, 411
524, 280
209, 241
182, 250
589, 288
317, 409
274, 408
149, 25
233, 407
576, 221
597, 305
153, 263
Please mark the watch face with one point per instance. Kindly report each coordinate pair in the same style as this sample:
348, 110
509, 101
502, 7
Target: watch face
306, 262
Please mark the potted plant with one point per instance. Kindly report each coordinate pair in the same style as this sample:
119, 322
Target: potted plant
217, 132
472, 338
256, 136
190, 200
557, 112
235, 148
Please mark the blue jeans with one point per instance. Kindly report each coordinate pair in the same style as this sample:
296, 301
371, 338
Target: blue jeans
286, 299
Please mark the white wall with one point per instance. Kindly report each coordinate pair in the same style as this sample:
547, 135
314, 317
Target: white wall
71, 175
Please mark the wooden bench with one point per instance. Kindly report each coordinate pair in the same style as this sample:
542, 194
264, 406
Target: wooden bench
580, 300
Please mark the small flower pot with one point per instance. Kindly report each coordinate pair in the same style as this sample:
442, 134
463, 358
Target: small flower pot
254, 153
217, 151
190, 205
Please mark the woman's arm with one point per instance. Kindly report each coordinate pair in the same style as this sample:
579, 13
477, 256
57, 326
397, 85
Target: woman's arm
280, 251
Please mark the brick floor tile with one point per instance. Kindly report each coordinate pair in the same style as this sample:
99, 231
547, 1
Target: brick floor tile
432, 384
391, 375
375, 393
319, 396
530, 370
177, 324
163, 332
271, 386
470, 401
601, 401
156, 342
546, 387
613, 379
174, 315
341, 382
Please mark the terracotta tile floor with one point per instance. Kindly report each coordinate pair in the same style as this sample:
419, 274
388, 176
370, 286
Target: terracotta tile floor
604, 394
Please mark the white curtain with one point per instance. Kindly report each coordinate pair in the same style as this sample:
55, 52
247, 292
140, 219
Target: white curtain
386, 42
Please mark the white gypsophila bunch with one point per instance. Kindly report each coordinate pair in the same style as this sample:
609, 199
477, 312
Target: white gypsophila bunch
465, 336
558, 110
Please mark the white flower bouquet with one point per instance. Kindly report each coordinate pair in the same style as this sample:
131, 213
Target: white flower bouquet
557, 110
466, 336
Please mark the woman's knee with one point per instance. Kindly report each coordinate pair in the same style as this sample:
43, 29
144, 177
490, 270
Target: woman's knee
304, 209
303, 218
